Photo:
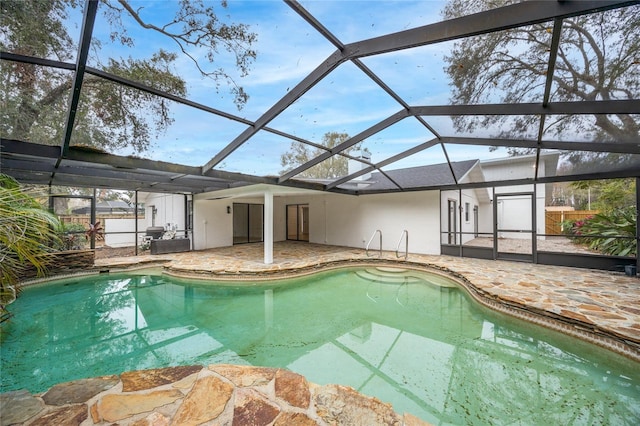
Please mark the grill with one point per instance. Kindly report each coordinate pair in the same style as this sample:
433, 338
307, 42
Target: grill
155, 232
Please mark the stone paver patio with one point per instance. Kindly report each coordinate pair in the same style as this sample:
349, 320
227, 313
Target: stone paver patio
601, 307
194, 395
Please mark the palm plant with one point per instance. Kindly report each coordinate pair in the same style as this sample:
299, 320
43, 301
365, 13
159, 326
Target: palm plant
26, 232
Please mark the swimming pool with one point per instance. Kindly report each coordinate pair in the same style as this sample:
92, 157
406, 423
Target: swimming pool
415, 340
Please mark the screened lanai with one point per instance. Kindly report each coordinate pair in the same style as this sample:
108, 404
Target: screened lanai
402, 85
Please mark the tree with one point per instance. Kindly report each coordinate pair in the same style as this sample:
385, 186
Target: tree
25, 228
597, 60
110, 116
332, 168
607, 195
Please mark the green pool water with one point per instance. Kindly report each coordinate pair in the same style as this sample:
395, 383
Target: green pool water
411, 339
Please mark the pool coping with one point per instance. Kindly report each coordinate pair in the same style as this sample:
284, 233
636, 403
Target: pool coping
589, 332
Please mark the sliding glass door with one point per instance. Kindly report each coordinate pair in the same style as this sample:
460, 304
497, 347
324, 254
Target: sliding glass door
298, 222
248, 223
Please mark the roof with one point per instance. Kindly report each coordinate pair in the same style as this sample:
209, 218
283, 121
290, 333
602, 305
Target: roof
111, 206
402, 120
420, 177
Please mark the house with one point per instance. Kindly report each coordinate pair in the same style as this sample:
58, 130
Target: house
433, 219
107, 207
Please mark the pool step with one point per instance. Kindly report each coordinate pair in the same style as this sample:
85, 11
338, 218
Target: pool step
387, 275
401, 276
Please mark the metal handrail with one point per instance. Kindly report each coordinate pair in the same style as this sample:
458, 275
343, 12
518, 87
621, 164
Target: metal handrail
406, 245
377, 231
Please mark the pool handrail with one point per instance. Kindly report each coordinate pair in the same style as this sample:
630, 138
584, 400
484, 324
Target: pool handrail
405, 234
377, 231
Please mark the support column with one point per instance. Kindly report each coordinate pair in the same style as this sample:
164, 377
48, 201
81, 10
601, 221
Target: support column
268, 227
135, 238
93, 218
637, 225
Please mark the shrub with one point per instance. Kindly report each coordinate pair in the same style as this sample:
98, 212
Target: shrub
25, 228
71, 237
611, 233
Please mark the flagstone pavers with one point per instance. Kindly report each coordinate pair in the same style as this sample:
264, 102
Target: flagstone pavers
78, 390
210, 399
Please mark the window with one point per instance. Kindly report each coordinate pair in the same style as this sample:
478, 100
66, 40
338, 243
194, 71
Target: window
466, 212
189, 215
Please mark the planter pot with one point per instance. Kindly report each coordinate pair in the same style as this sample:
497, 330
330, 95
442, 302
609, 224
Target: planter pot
630, 270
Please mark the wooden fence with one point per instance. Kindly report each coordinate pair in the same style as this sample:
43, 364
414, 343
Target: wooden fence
554, 219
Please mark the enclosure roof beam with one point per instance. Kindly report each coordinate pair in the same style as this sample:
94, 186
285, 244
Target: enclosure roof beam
384, 163
297, 7
498, 19
617, 147
155, 170
300, 89
148, 89
14, 57
346, 144
67, 168
292, 95
621, 106
91, 8
630, 172
551, 66
368, 72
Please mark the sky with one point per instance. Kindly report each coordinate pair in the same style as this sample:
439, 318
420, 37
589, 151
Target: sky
288, 49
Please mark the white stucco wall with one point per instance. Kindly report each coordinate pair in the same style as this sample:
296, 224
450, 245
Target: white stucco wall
122, 225
170, 208
514, 212
468, 226
212, 225
334, 219
351, 221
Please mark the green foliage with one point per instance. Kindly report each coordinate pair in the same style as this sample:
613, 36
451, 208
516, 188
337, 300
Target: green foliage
95, 231
610, 233
609, 195
110, 116
333, 167
594, 62
26, 232
71, 237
